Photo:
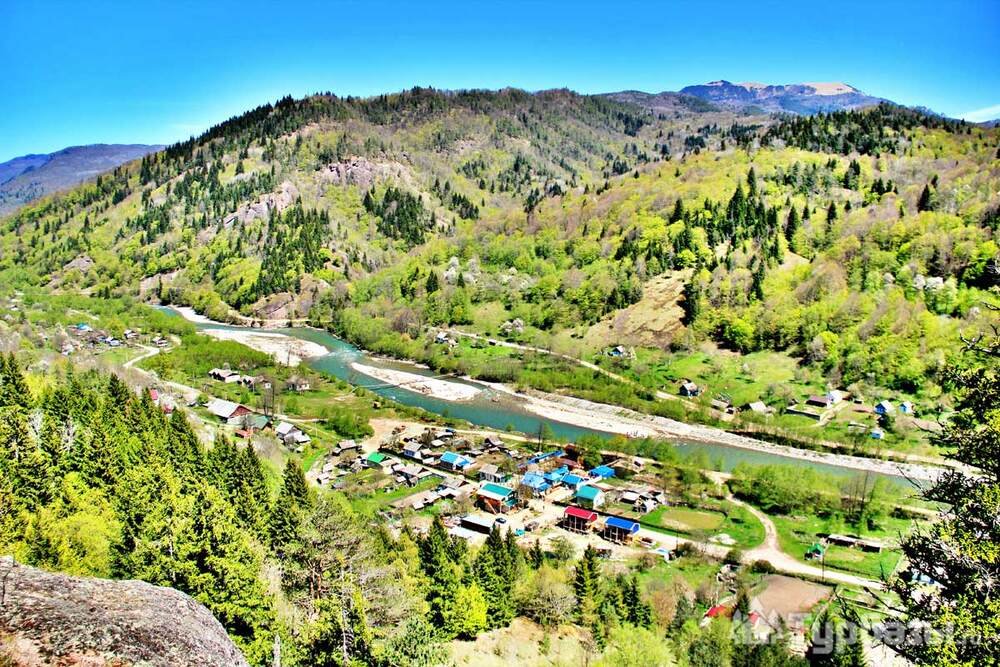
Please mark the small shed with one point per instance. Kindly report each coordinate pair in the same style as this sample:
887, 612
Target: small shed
478, 524
907, 408
690, 389
579, 520
884, 408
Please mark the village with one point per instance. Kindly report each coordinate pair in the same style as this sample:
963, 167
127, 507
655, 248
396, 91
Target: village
632, 509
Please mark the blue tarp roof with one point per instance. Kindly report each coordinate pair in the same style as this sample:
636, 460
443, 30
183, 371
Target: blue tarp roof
572, 479
624, 524
455, 459
603, 471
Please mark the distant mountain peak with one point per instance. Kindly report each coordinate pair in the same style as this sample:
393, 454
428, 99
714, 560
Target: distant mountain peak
802, 98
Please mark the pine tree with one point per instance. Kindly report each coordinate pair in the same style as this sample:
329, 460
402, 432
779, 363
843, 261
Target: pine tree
494, 574
536, 557
928, 200
293, 483
586, 585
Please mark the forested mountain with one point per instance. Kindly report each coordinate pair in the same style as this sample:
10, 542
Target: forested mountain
860, 241
26, 178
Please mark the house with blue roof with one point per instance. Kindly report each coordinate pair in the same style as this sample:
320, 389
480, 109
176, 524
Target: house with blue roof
572, 481
454, 461
533, 484
555, 477
620, 530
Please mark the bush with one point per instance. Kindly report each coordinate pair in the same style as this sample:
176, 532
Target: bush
762, 567
734, 557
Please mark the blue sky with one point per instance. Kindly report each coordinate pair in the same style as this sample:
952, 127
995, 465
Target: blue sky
156, 72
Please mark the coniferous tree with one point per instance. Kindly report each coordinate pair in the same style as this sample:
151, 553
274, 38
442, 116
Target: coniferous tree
586, 585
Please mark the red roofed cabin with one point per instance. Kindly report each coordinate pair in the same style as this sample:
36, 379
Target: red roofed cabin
579, 520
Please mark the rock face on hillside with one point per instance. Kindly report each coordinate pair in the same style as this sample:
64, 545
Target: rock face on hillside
53, 619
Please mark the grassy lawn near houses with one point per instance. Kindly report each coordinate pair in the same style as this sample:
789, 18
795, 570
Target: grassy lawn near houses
739, 524
371, 503
685, 519
797, 534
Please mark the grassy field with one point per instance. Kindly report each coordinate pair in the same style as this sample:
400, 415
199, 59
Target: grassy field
691, 569
371, 503
797, 534
739, 524
686, 520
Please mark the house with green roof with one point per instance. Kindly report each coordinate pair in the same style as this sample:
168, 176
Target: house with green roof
590, 497
496, 498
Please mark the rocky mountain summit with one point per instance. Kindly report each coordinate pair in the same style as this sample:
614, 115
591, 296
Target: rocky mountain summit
48, 619
799, 98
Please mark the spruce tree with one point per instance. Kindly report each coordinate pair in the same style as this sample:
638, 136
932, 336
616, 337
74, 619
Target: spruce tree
586, 585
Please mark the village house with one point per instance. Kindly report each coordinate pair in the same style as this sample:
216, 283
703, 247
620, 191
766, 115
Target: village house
453, 487
291, 435
496, 498
579, 520
690, 389
533, 485
378, 460
824, 402
297, 383
346, 446
602, 472
907, 408
453, 461
492, 441
491, 473
620, 531
413, 450
227, 411
759, 408
589, 497
409, 474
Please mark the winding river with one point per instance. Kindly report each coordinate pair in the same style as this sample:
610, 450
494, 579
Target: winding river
500, 410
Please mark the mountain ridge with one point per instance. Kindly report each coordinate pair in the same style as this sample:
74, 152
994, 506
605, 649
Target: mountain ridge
25, 178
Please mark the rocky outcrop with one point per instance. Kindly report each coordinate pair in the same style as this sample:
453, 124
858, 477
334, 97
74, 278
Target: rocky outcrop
54, 619
273, 202
362, 173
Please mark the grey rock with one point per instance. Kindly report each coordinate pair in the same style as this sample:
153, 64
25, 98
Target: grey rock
48, 618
